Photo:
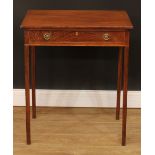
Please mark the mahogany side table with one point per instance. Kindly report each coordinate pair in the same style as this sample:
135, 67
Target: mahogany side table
76, 28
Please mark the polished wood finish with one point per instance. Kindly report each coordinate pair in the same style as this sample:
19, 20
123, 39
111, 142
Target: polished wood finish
119, 82
27, 92
69, 36
75, 38
77, 131
125, 88
76, 28
68, 19
33, 65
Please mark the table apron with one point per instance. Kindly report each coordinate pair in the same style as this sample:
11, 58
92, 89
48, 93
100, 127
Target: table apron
76, 38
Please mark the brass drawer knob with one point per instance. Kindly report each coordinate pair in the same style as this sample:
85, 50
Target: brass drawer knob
47, 36
106, 36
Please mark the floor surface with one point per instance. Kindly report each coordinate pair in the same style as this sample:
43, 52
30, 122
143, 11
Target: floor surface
76, 131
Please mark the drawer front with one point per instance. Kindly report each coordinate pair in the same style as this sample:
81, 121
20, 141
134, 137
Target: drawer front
75, 36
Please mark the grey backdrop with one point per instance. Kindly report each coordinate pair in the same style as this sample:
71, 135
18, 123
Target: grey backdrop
78, 67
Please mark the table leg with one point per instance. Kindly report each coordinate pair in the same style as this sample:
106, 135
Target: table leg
125, 87
33, 81
119, 82
27, 93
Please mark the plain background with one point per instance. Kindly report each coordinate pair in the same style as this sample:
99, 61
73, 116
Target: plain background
78, 67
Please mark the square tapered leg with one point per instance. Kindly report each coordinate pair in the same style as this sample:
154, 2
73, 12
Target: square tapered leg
27, 93
125, 87
119, 82
33, 81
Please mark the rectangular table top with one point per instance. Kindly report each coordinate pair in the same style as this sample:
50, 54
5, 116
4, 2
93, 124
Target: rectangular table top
45, 19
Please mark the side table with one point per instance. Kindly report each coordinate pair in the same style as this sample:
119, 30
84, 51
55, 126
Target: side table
76, 28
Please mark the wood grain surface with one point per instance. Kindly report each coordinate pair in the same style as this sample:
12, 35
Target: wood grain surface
76, 131
76, 19
65, 36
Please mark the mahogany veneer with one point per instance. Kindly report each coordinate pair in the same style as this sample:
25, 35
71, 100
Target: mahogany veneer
76, 28
75, 38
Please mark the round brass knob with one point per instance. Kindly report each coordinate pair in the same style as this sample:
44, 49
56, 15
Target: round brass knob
106, 36
47, 36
